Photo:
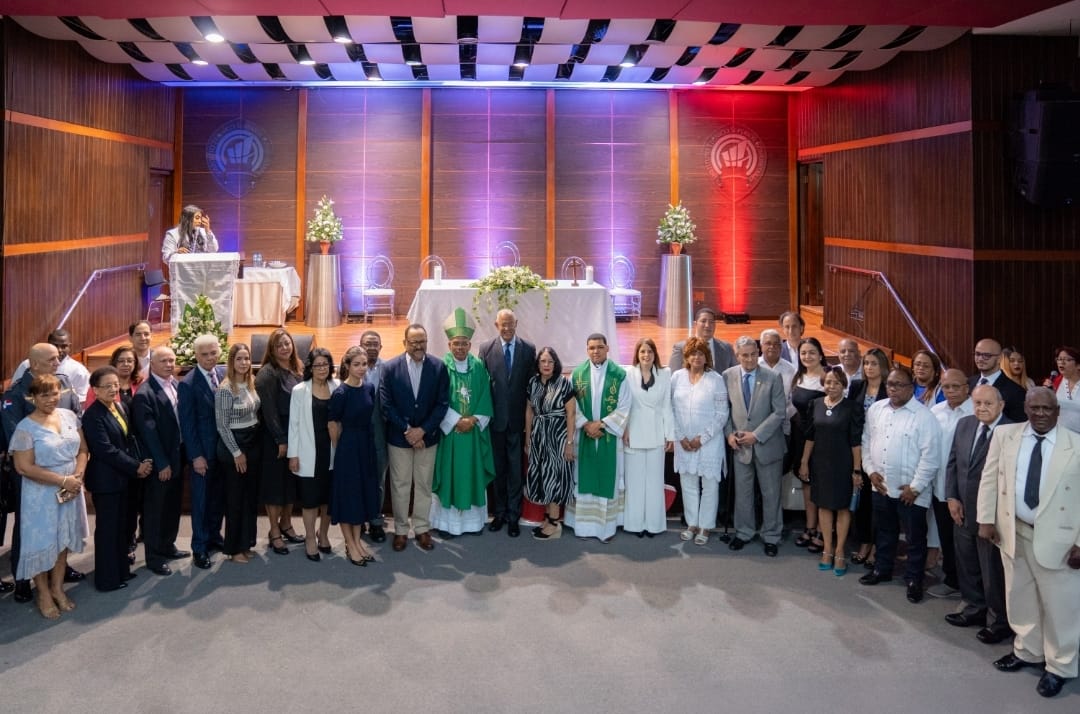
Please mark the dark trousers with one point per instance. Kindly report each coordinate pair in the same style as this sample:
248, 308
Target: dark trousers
863, 518
889, 515
945, 534
207, 508
110, 540
980, 576
240, 491
136, 496
382, 462
161, 516
508, 449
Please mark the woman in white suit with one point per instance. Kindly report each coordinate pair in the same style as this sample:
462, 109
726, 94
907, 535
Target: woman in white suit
310, 453
650, 432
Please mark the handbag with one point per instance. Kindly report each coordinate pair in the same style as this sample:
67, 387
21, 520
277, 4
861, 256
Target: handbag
791, 492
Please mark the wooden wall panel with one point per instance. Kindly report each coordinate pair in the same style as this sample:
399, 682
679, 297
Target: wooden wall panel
78, 155
741, 257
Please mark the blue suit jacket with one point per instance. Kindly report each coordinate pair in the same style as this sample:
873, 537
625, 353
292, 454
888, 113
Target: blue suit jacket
402, 410
156, 425
197, 420
114, 456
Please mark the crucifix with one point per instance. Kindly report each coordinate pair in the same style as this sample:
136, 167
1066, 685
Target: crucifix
573, 266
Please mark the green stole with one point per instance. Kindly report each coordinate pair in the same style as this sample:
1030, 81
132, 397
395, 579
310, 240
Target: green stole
464, 463
597, 457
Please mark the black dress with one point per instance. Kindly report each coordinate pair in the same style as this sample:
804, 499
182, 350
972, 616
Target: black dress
277, 485
801, 398
354, 483
834, 432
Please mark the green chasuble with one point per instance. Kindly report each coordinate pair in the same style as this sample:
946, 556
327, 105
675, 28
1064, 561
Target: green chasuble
464, 464
597, 457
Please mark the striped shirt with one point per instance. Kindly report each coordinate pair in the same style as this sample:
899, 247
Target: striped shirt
235, 411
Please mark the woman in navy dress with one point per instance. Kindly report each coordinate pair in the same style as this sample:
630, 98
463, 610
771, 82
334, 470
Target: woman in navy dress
354, 484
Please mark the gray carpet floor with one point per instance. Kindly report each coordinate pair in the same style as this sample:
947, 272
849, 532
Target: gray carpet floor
493, 624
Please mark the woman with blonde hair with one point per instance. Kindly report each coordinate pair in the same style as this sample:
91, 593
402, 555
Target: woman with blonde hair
1014, 366
236, 411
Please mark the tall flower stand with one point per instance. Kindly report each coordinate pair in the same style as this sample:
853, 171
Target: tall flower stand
676, 307
323, 291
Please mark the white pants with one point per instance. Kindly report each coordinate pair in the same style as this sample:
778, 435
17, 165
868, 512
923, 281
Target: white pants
644, 508
700, 497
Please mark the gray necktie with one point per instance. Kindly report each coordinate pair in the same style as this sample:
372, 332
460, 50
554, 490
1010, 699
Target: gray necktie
1034, 475
746, 389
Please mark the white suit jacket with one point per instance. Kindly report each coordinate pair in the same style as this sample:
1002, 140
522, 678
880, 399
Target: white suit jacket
1057, 518
651, 421
302, 430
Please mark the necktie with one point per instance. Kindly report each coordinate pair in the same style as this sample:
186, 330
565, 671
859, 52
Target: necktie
1034, 475
214, 379
746, 389
984, 380
980, 443
507, 358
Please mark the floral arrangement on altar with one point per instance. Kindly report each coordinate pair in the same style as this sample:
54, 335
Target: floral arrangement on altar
325, 227
675, 227
198, 319
502, 287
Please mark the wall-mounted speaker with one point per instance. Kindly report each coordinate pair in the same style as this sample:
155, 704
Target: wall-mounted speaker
1046, 147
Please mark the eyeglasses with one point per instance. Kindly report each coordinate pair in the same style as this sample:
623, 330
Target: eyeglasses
898, 385
987, 355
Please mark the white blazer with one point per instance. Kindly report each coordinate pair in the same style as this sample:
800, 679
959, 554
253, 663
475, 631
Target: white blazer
651, 421
302, 430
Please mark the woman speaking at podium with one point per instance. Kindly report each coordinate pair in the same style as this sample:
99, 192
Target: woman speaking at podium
191, 235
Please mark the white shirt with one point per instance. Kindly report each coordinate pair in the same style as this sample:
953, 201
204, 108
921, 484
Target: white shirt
1023, 460
77, 375
786, 370
416, 371
169, 385
904, 446
948, 417
857, 374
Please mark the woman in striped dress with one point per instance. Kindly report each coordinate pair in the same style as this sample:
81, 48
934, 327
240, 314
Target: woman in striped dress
549, 441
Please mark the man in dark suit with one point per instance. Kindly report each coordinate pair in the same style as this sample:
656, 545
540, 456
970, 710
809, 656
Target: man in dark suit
978, 562
704, 326
988, 364
415, 394
155, 414
114, 462
198, 426
755, 432
44, 358
511, 362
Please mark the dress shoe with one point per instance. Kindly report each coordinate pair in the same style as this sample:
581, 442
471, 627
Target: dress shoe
513, 529
162, 569
278, 546
313, 557
962, 619
377, 534
177, 554
201, 560
874, 577
771, 550
424, 541
71, 575
1012, 663
327, 550
943, 590
216, 547
114, 588
400, 542
291, 536
736, 543
993, 635
1049, 684
6, 587
496, 524
914, 593
22, 591
724, 537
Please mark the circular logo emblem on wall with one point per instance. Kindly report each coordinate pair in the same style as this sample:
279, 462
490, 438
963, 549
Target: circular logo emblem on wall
736, 160
237, 153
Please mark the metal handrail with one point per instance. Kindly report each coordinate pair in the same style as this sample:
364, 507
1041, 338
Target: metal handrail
95, 276
884, 280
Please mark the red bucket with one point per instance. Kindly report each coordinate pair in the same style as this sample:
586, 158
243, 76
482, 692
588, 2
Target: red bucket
532, 514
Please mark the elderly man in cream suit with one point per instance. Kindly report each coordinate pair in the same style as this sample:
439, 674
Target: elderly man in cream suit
755, 432
1029, 504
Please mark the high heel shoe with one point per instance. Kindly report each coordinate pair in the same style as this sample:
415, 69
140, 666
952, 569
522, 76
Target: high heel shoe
290, 535
816, 544
804, 538
281, 549
539, 533
826, 562
326, 549
362, 562
840, 567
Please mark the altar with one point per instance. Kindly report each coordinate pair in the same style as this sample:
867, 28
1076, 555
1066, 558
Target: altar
576, 312
209, 274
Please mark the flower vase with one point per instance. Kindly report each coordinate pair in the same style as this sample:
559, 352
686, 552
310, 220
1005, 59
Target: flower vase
324, 247
676, 248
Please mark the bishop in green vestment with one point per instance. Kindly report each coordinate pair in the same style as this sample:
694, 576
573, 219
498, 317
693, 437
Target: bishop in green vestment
464, 465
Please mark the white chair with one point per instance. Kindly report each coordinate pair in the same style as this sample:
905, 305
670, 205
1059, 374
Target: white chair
426, 266
378, 290
568, 265
625, 300
505, 255
156, 309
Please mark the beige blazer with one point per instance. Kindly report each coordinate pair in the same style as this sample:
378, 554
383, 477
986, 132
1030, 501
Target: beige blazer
1057, 519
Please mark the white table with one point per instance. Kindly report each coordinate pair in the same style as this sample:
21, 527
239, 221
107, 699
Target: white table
264, 296
209, 274
576, 312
